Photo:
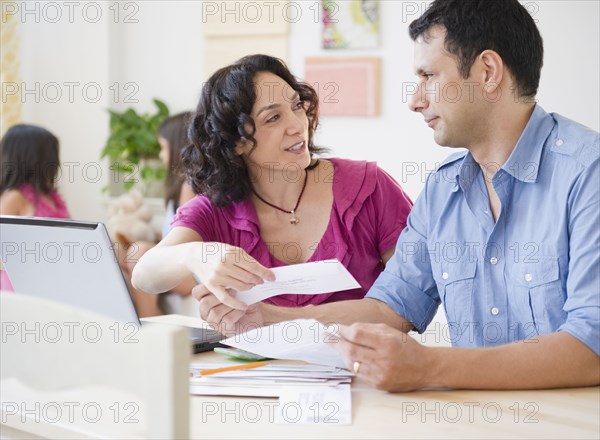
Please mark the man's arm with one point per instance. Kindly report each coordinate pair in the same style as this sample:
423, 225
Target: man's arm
552, 361
394, 361
231, 321
343, 312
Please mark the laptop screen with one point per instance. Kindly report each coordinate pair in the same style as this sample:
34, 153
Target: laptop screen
67, 261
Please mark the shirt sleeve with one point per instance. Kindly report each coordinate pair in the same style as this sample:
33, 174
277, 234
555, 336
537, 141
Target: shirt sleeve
407, 285
392, 206
197, 214
583, 282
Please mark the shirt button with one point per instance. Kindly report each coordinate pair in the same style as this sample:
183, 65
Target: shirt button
528, 277
495, 311
445, 275
559, 142
493, 261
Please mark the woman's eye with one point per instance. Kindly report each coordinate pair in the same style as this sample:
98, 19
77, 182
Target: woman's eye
273, 118
299, 105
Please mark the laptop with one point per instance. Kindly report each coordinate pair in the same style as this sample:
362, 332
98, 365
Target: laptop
73, 262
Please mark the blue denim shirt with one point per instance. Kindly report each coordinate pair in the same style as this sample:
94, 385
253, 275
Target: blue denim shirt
535, 271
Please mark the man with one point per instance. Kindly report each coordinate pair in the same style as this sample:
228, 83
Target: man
505, 236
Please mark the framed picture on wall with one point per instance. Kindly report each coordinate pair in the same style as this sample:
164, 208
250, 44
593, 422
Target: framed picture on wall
346, 86
350, 24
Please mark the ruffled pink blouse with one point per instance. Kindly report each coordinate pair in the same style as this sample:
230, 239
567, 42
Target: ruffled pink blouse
369, 212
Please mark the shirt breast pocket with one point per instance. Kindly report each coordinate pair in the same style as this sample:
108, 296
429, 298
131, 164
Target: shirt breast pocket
539, 287
455, 283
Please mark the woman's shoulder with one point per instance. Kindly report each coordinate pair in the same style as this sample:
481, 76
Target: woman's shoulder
197, 205
343, 163
355, 181
366, 172
352, 169
348, 174
201, 206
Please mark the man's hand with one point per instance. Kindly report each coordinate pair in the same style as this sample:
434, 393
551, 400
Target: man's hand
225, 319
389, 359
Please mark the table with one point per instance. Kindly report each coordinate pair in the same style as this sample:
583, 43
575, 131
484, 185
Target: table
565, 413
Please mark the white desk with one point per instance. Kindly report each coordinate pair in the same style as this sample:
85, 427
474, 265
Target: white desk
568, 413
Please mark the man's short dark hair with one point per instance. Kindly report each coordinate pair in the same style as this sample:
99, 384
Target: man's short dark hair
503, 26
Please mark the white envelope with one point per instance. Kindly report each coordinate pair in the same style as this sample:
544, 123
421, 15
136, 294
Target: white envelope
302, 279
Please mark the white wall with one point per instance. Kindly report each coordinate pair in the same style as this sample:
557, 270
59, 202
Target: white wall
65, 71
162, 55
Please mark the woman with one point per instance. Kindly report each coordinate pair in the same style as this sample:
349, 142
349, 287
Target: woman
266, 201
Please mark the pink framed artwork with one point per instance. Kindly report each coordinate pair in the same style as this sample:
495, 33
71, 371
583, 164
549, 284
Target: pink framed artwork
346, 86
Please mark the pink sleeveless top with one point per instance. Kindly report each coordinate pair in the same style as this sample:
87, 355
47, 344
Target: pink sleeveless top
42, 208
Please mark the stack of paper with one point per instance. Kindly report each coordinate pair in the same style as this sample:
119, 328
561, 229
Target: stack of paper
266, 381
319, 394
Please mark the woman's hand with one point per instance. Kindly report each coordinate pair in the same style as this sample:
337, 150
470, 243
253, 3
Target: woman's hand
222, 267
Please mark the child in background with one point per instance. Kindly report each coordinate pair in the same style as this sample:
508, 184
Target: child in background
30, 170
172, 137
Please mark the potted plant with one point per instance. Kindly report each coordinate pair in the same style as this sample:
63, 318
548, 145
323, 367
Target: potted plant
133, 150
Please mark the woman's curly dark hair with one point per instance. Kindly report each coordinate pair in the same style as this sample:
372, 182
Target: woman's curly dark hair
211, 164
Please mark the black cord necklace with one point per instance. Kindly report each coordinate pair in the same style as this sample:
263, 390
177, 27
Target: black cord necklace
294, 220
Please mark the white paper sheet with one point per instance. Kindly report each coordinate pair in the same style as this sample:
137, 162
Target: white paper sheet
302, 279
301, 339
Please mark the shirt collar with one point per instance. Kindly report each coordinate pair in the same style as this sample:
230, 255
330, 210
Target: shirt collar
466, 172
524, 162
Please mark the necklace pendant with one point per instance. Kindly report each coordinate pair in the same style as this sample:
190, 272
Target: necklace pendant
294, 220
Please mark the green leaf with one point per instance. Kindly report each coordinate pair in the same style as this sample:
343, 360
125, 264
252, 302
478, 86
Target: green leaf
163, 110
132, 138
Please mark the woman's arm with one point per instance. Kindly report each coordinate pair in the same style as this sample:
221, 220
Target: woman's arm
182, 253
162, 267
184, 288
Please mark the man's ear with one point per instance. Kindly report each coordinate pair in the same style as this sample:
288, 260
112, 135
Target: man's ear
493, 69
